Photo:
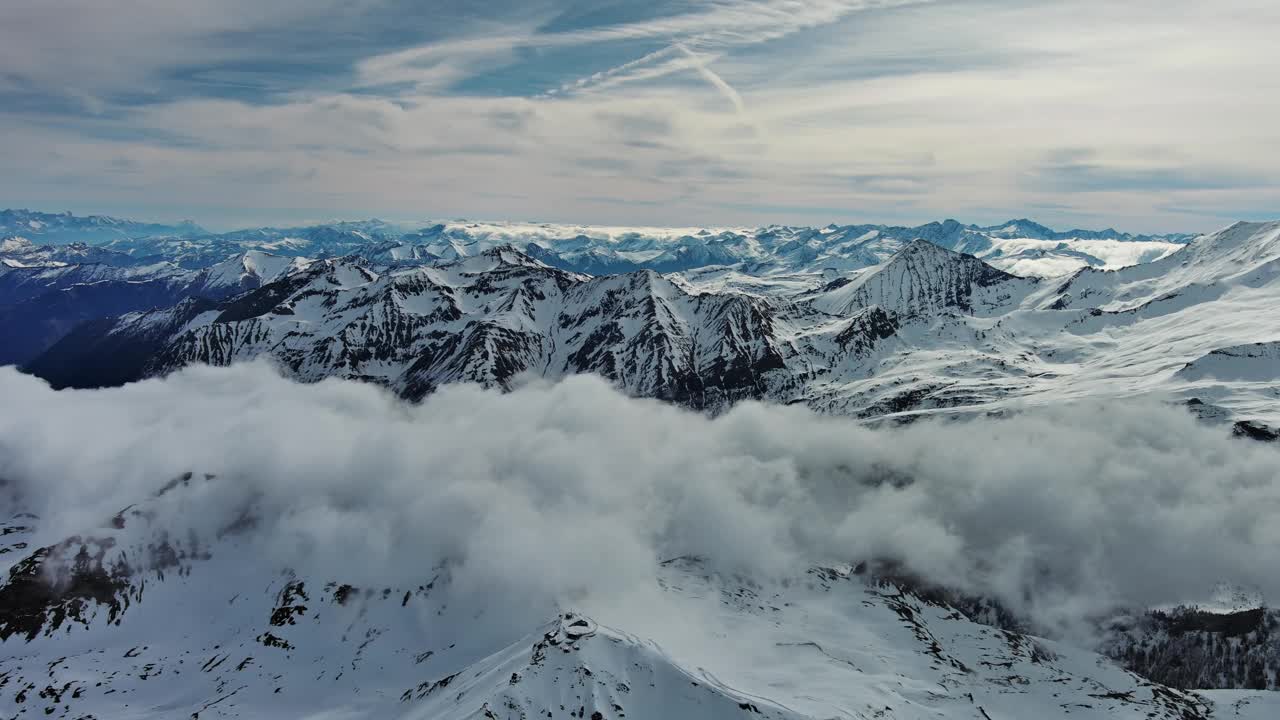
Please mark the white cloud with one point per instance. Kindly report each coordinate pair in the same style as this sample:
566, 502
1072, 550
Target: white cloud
645, 67
436, 66
87, 50
1061, 513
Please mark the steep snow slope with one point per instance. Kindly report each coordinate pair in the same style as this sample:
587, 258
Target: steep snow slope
1145, 323
1244, 255
483, 319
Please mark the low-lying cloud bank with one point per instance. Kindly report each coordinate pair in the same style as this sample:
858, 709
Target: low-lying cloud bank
573, 492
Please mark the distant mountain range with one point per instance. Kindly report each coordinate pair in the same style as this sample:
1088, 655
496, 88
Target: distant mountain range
1021, 246
58, 228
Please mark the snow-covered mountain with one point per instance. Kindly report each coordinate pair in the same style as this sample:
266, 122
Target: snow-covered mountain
72, 251
483, 319
22, 281
1194, 647
928, 330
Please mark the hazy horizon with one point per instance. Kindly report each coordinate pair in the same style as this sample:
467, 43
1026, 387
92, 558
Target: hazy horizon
220, 226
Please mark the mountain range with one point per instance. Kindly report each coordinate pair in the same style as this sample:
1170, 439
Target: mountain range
886, 324
914, 328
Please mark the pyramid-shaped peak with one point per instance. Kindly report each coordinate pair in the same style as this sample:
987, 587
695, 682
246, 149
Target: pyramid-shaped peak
920, 245
508, 254
920, 249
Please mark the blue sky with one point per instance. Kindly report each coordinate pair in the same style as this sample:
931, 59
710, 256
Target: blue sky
1144, 115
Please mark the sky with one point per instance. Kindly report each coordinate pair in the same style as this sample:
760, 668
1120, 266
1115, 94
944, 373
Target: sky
1146, 115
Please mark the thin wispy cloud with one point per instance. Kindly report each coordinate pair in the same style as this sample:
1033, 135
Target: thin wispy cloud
651, 66
719, 83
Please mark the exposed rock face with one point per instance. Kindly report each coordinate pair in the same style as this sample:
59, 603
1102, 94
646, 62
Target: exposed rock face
62, 583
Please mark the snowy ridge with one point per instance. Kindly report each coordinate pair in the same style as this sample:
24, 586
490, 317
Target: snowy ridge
246, 271
20, 282
1243, 255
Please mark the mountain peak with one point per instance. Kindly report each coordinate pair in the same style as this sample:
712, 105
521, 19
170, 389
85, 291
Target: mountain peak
920, 246
1021, 227
920, 279
920, 249
508, 254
